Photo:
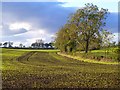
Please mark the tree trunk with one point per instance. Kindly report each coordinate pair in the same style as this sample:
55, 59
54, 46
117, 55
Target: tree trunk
65, 48
87, 44
71, 49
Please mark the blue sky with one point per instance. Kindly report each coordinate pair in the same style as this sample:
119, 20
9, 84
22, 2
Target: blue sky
24, 22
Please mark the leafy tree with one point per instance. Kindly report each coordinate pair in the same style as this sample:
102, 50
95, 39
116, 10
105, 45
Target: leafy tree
82, 29
33, 45
61, 39
38, 44
0, 44
106, 40
52, 44
89, 22
113, 44
119, 44
10, 44
46, 45
66, 38
5, 44
20, 45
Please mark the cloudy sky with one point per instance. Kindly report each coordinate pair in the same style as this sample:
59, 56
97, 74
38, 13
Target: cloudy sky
24, 22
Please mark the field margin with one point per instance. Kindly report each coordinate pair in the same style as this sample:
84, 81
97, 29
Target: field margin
86, 60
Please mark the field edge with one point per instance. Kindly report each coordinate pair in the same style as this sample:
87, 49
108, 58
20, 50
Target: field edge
86, 60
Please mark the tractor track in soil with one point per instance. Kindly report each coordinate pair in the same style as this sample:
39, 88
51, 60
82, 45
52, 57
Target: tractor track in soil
25, 57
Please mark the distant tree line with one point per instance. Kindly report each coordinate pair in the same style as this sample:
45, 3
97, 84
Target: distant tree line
38, 44
84, 30
6, 44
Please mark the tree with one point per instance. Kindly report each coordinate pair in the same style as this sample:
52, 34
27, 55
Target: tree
20, 45
51, 44
0, 44
113, 44
61, 39
82, 29
66, 38
38, 44
106, 40
89, 22
10, 44
5, 44
46, 45
33, 45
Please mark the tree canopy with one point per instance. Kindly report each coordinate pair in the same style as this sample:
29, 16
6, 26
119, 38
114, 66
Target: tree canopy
83, 29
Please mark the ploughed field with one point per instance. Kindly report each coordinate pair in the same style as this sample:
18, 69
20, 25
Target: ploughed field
46, 69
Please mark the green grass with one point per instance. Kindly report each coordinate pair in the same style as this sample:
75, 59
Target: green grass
46, 69
86, 58
109, 55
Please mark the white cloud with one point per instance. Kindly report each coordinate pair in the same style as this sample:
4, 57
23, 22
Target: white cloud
31, 36
37, 33
18, 26
53, 35
42, 32
1, 27
1, 32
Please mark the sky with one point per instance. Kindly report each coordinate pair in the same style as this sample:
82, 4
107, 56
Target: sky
25, 22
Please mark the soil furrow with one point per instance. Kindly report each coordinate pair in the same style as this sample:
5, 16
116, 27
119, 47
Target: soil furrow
25, 56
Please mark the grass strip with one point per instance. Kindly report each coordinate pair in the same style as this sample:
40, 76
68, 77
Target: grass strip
87, 60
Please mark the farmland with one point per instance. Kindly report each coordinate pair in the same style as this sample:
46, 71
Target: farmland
46, 69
